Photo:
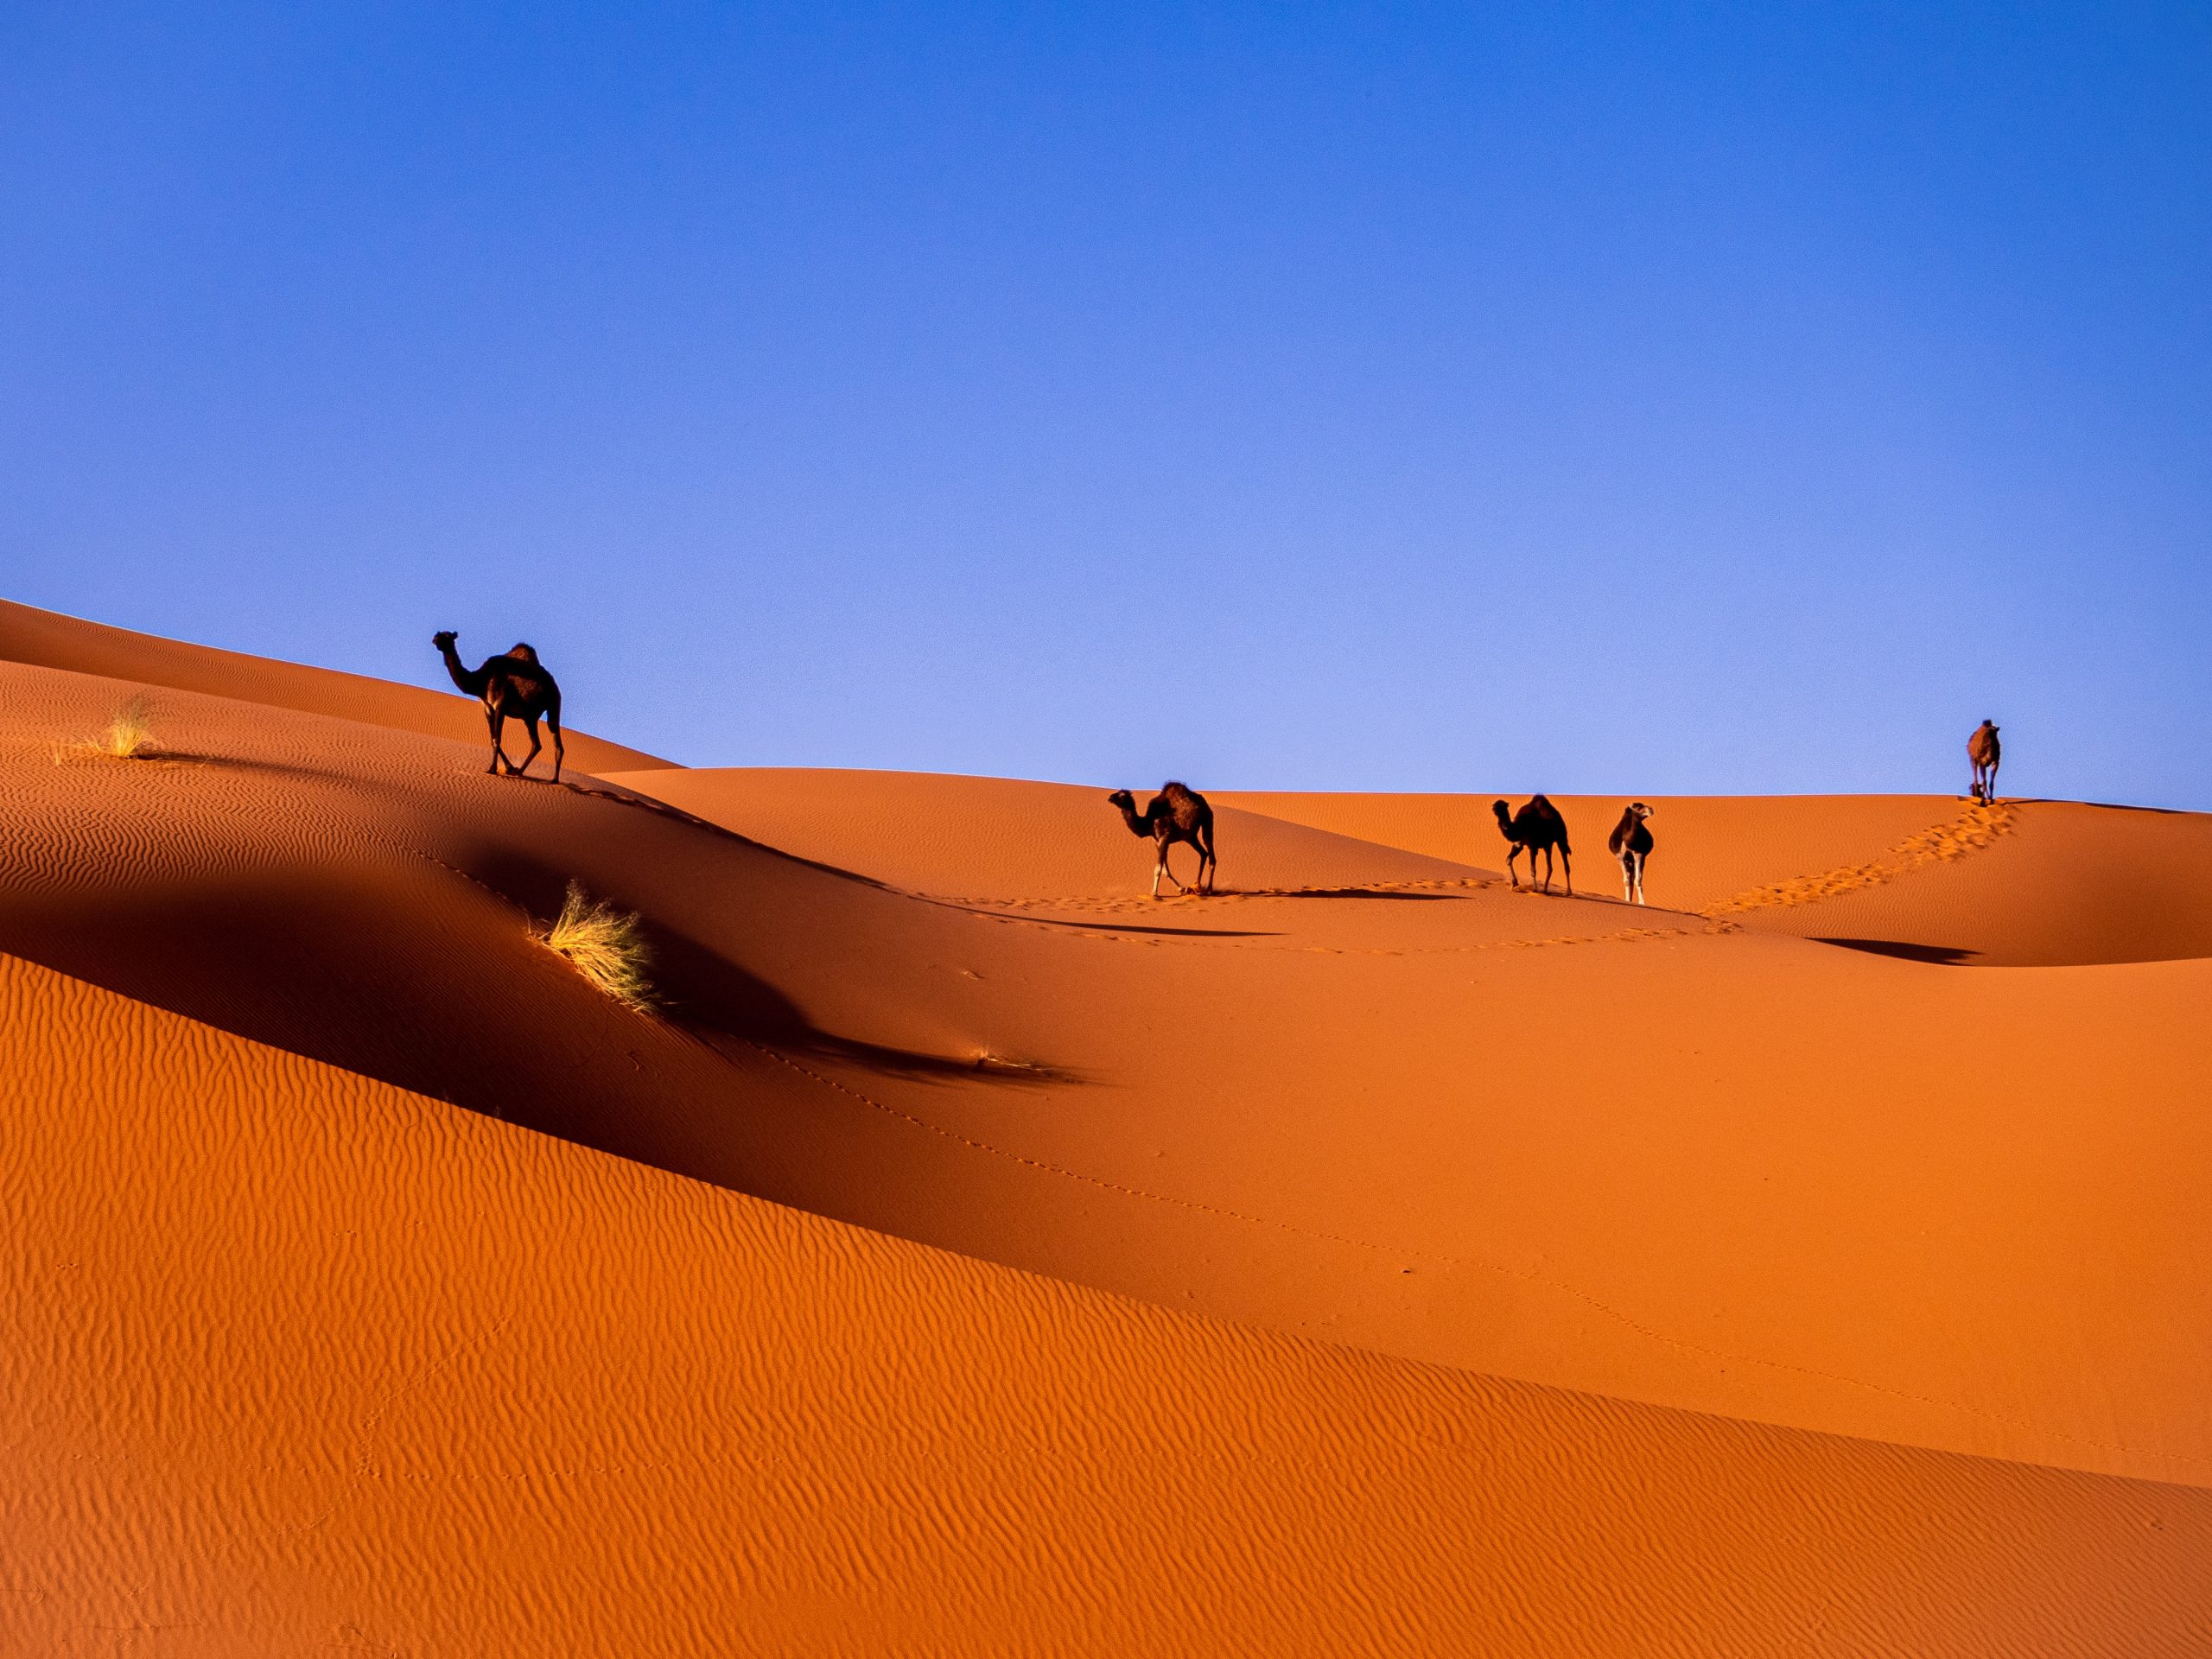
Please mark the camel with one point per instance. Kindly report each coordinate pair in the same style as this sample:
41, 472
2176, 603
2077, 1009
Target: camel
1177, 813
1631, 843
1537, 828
515, 686
1985, 751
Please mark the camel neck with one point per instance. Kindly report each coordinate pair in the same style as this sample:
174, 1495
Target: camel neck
472, 684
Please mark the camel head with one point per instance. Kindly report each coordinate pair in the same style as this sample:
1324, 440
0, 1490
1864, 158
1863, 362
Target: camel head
1641, 810
1504, 814
443, 638
1122, 799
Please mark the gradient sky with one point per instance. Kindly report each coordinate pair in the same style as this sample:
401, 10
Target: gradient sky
1640, 399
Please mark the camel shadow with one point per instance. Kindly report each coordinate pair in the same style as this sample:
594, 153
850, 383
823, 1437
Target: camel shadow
1118, 927
1386, 893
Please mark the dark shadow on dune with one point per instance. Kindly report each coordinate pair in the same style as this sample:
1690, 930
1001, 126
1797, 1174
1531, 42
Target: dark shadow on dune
712, 998
1948, 956
427, 998
246, 763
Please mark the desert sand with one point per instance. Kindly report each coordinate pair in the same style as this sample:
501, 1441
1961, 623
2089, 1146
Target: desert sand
971, 1254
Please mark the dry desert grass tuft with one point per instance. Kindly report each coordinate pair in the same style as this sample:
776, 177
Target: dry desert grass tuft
129, 736
605, 946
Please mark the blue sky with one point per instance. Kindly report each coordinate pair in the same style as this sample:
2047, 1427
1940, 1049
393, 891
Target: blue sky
1568, 398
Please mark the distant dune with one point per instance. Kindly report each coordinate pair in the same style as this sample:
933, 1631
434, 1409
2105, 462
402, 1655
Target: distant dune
976, 1256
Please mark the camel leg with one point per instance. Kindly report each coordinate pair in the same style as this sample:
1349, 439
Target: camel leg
1548, 868
1513, 876
530, 721
496, 721
1566, 862
554, 720
1162, 870
1627, 879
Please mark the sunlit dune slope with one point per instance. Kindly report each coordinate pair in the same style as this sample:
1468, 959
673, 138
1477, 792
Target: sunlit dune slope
1709, 848
296, 1362
2037, 883
44, 639
1629, 1152
1927, 877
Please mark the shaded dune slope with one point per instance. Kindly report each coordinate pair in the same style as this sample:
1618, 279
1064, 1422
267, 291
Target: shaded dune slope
298, 1362
1637, 1154
47, 640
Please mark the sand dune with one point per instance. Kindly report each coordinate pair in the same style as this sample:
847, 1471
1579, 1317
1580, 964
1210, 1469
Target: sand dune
1542, 1172
1000, 841
301, 1362
1928, 877
47, 640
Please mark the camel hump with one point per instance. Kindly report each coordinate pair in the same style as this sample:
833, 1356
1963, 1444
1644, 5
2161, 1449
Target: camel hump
524, 653
1178, 791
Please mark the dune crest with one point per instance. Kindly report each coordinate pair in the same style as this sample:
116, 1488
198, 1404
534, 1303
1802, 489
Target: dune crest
49, 639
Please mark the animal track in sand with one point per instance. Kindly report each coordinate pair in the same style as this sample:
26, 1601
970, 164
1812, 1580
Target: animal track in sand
1972, 831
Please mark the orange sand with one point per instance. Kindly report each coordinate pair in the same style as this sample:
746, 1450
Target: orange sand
335, 1326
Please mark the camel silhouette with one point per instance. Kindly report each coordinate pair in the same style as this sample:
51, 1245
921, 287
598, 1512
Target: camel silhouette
1177, 813
1631, 843
515, 686
1537, 828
